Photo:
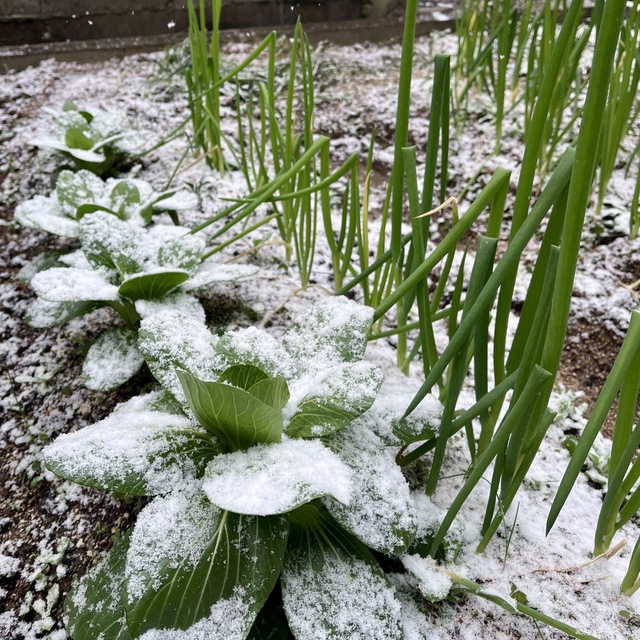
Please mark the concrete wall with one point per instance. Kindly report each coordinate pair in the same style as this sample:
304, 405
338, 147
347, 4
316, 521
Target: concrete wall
39, 21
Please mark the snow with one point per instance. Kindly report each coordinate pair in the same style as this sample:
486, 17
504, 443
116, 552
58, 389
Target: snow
381, 512
275, 478
227, 621
111, 360
73, 285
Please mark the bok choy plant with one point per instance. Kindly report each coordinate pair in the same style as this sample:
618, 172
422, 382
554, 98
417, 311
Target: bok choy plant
263, 471
77, 194
134, 270
99, 142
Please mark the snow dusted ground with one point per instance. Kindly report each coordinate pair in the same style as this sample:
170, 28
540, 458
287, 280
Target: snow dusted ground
52, 531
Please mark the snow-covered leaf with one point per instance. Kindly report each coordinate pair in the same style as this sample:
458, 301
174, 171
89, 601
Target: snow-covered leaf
221, 594
171, 340
183, 252
430, 517
233, 415
338, 396
95, 605
332, 588
276, 478
76, 188
110, 242
433, 585
136, 451
151, 286
48, 142
69, 284
171, 531
43, 313
176, 300
333, 330
381, 512
175, 200
209, 272
257, 347
111, 360
46, 214
384, 417
124, 194
44, 261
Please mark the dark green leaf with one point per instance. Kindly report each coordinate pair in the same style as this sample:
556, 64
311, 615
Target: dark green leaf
151, 286
271, 623
234, 416
226, 588
87, 116
95, 604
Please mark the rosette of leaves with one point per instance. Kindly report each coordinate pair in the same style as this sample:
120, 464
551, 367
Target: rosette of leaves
82, 192
253, 459
99, 142
135, 271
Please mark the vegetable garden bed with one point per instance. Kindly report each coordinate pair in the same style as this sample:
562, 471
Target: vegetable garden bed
267, 309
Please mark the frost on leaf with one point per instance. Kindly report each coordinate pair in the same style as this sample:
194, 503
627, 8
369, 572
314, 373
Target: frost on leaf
171, 340
332, 331
111, 360
326, 401
171, 531
276, 478
227, 620
333, 589
135, 451
381, 512
76, 188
